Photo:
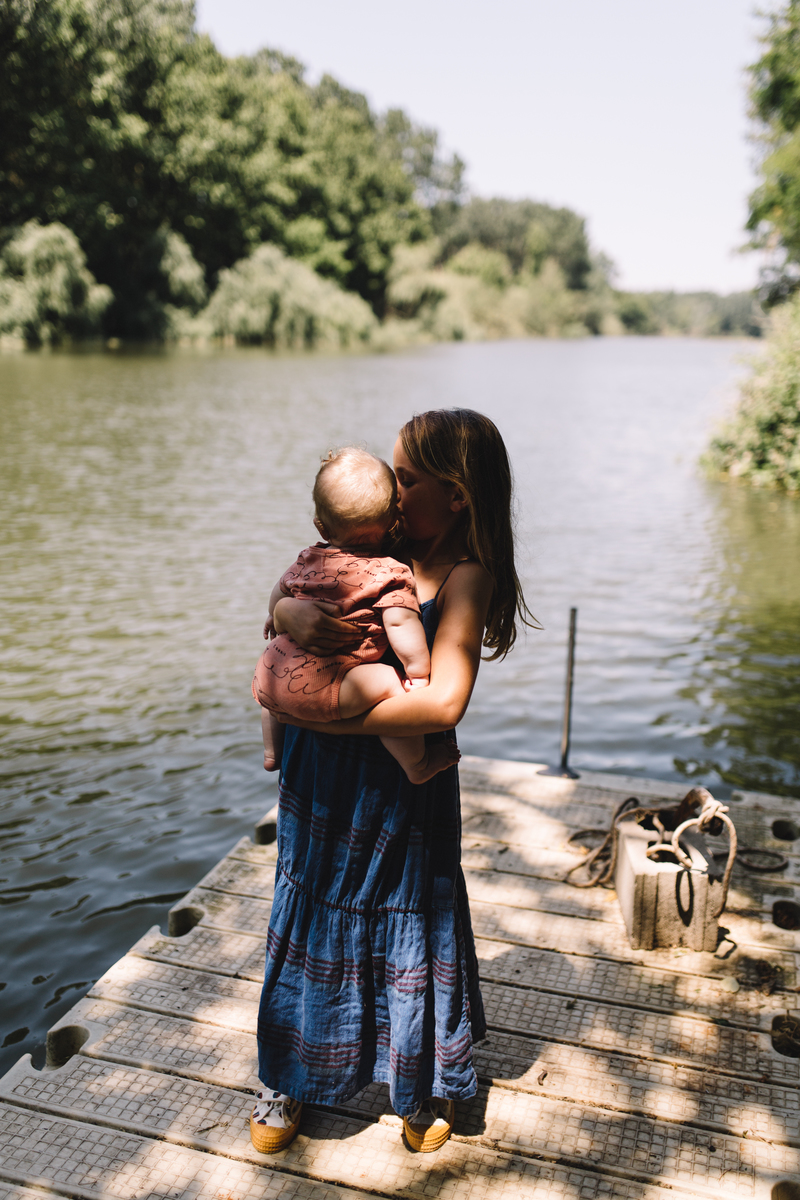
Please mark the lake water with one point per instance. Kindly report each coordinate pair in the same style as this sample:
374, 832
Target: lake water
150, 500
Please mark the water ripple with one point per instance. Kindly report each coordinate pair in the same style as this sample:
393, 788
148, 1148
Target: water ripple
150, 500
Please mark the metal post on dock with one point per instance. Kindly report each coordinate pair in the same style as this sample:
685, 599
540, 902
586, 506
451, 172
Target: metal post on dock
564, 770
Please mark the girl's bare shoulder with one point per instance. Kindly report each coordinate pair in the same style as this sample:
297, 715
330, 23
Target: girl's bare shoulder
468, 581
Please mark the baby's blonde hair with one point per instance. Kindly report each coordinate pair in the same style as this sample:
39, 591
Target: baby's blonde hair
353, 489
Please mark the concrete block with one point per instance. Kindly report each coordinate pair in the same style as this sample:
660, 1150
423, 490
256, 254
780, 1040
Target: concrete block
663, 903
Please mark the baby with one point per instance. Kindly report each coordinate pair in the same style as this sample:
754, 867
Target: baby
355, 498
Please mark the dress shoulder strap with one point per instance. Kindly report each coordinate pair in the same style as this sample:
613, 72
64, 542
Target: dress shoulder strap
449, 573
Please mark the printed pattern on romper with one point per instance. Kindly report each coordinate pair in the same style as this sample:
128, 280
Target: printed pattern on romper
290, 679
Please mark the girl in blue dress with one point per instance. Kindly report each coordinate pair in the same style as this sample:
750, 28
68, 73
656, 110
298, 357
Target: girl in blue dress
371, 973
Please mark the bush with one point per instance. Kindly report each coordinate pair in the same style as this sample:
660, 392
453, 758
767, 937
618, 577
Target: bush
439, 304
183, 275
490, 266
269, 299
472, 296
546, 307
46, 292
761, 444
693, 314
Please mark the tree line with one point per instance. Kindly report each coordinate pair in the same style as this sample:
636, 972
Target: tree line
151, 187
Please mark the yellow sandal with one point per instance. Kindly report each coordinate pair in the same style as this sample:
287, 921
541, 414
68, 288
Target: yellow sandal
430, 1126
274, 1121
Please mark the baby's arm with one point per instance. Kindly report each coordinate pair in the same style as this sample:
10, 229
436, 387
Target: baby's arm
407, 639
277, 594
269, 625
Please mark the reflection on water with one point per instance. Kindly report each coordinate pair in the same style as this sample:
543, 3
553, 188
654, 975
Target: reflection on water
149, 502
746, 683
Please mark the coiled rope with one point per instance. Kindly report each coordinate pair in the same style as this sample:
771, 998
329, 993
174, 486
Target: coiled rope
601, 863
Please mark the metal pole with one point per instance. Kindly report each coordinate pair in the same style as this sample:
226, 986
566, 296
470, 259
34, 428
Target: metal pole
565, 771
567, 726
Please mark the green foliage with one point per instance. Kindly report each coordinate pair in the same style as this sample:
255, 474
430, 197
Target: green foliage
636, 313
439, 182
123, 123
528, 233
490, 266
474, 296
503, 268
269, 299
80, 104
172, 165
775, 206
547, 307
46, 292
695, 314
761, 444
182, 273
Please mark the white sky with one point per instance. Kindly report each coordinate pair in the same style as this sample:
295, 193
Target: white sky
632, 112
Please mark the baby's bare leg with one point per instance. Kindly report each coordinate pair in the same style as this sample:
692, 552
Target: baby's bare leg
421, 762
365, 686
272, 735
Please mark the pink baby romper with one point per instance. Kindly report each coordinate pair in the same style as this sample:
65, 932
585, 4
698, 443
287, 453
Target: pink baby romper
290, 680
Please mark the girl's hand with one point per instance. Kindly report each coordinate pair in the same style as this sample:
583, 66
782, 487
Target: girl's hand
314, 625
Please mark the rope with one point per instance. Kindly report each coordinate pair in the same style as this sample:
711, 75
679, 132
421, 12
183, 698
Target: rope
711, 810
601, 863
607, 850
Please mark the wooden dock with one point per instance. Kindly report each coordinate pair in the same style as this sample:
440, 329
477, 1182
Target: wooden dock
607, 1072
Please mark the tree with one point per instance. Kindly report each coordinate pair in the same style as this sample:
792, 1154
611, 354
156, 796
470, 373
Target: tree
775, 206
126, 125
82, 108
526, 231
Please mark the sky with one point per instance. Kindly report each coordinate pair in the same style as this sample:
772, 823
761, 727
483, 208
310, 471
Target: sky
631, 112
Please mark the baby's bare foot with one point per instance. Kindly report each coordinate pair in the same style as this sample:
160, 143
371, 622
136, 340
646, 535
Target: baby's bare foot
437, 758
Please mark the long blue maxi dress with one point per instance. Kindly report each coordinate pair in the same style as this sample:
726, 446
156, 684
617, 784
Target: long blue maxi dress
371, 971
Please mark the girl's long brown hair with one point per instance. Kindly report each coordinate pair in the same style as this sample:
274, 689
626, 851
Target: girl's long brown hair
463, 448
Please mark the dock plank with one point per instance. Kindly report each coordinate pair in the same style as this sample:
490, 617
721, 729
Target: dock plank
606, 1072
513, 1126
614, 1079
659, 989
128, 1166
181, 993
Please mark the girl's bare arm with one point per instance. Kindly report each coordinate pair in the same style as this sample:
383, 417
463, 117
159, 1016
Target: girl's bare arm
454, 667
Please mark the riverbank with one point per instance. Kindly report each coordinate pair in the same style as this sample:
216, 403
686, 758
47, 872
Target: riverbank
434, 292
